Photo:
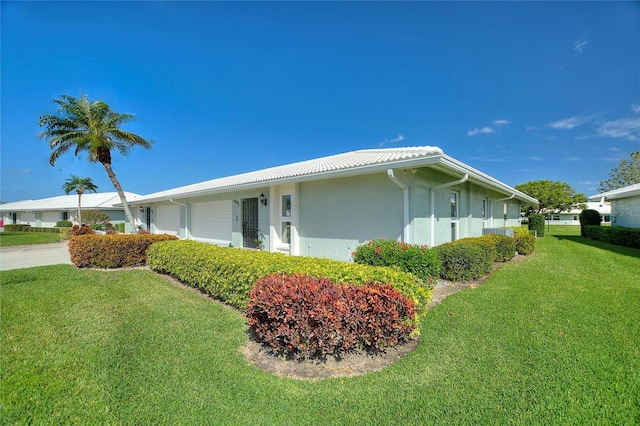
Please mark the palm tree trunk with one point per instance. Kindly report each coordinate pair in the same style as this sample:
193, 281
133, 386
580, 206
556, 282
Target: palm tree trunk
79, 209
123, 199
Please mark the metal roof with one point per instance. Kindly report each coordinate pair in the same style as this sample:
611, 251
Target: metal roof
349, 163
627, 191
97, 201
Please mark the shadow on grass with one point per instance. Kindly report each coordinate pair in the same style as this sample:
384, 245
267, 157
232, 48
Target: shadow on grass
626, 251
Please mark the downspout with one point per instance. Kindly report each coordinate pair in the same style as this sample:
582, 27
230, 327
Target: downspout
186, 217
432, 207
405, 193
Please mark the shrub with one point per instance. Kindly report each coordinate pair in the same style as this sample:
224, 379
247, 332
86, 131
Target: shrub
304, 316
627, 237
65, 233
505, 246
64, 224
413, 258
13, 227
95, 217
81, 230
589, 218
536, 224
525, 241
228, 274
119, 227
112, 251
465, 260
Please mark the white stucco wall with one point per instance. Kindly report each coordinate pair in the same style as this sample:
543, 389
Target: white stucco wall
625, 212
337, 215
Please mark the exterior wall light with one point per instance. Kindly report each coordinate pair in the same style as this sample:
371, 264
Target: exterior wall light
263, 199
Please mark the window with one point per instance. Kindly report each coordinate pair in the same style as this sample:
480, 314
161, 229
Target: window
285, 219
454, 205
286, 205
65, 216
484, 209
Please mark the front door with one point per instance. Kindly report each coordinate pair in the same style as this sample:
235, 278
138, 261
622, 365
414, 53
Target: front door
249, 222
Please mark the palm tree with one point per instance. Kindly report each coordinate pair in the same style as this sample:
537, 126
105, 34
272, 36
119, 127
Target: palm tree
91, 126
80, 185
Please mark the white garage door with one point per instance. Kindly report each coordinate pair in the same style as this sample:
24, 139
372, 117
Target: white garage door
27, 218
49, 219
168, 220
211, 221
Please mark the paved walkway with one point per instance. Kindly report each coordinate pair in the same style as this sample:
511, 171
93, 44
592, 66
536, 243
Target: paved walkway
17, 257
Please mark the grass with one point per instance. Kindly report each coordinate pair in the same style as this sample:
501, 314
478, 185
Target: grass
10, 238
552, 339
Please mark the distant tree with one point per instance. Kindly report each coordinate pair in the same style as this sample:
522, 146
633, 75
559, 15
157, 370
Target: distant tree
80, 185
91, 126
95, 217
627, 173
554, 197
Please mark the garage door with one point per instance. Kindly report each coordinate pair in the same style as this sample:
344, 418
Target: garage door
27, 218
211, 221
49, 219
168, 220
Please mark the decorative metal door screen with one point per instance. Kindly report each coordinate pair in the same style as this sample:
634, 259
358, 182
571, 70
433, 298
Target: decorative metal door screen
249, 222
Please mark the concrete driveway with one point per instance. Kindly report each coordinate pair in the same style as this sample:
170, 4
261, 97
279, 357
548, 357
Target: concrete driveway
17, 257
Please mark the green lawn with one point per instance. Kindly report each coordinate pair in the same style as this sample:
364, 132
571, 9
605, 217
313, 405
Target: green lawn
10, 238
552, 339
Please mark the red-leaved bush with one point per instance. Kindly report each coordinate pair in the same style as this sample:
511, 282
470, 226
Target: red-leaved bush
112, 251
303, 316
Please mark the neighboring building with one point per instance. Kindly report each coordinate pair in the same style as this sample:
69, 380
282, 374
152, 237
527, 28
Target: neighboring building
328, 206
625, 205
47, 212
572, 217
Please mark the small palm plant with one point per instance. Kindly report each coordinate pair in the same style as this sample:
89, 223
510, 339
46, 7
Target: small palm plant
80, 185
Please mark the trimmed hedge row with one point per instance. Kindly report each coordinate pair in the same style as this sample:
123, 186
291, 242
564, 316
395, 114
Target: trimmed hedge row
472, 258
303, 316
413, 258
229, 274
627, 237
112, 251
525, 241
536, 224
465, 260
21, 227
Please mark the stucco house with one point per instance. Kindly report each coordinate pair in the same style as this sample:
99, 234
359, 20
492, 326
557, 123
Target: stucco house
46, 212
326, 207
625, 205
572, 217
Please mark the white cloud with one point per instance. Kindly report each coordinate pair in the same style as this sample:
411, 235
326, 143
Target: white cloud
579, 45
500, 122
635, 107
572, 159
625, 128
397, 139
569, 123
477, 131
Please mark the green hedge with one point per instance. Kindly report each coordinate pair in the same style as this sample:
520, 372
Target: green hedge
28, 228
505, 246
229, 274
589, 217
416, 259
64, 224
112, 251
627, 237
536, 224
17, 228
465, 260
525, 241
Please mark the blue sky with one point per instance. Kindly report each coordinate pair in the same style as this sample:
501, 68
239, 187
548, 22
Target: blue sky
519, 90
